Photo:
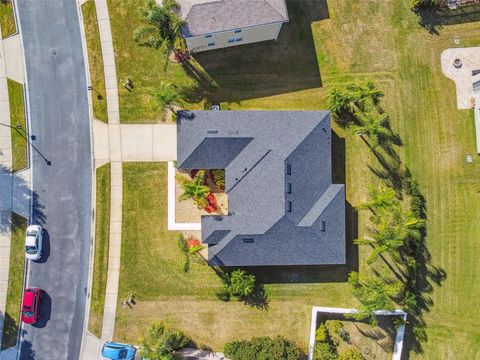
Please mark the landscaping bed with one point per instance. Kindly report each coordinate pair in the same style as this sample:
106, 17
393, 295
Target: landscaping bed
186, 211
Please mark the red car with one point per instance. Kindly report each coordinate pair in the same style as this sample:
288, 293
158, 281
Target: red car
31, 305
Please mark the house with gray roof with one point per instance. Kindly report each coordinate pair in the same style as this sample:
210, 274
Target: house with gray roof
282, 206
215, 24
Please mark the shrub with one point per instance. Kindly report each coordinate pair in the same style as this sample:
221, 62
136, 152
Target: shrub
263, 348
219, 178
351, 354
161, 342
321, 335
240, 283
324, 351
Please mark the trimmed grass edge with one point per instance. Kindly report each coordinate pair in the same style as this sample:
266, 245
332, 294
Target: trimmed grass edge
100, 260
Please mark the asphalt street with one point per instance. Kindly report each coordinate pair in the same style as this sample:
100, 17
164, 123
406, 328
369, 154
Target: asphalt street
63, 187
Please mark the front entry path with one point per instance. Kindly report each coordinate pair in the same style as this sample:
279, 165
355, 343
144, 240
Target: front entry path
139, 142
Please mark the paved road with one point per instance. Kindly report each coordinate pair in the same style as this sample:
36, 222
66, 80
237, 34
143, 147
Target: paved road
60, 123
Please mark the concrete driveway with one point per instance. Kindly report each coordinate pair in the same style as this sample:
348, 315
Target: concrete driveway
63, 190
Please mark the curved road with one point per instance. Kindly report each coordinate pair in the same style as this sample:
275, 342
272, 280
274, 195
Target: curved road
63, 190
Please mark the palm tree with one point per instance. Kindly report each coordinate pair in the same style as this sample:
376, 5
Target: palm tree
161, 342
374, 293
385, 238
380, 199
162, 28
194, 189
366, 93
374, 126
340, 100
167, 96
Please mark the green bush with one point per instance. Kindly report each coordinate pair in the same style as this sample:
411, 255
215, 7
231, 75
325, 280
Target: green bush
219, 178
263, 348
161, 342
240, 283
324, 351
321, 335
351, 354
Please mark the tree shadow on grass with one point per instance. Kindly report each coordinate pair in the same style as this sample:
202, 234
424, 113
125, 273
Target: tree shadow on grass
433, 19
10, 330
262, 69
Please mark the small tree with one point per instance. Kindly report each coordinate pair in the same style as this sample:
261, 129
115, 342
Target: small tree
194, 189
340, 100
380, 199
239, 283
167, 96
162, 27
374, 126
374, 293
161, 342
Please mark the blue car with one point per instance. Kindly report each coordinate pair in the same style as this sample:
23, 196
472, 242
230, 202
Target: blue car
117, 351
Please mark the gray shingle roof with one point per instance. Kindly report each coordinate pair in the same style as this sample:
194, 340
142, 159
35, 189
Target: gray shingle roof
278, 181
209, 16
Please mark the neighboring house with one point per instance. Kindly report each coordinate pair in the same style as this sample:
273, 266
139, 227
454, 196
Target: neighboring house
476, 108
283, 207
215, 24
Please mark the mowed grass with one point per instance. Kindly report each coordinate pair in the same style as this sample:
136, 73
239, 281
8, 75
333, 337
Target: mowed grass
17, 117
15, 282
379, 40
95, 61
100, 260
7, 19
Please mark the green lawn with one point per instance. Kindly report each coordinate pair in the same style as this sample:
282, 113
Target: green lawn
375, 39
17, 117
7, 19
95, 61
100, 260
15, 281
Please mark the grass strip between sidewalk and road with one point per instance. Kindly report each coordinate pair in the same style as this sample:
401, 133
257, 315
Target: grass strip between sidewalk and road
100, 261
15, 282
7, 19
95, 61
17, 117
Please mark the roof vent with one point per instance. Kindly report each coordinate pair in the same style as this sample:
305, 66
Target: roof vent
248, 240
212, 131
232, 132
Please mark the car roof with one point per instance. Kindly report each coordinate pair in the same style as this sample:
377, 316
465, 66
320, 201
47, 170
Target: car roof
30, 241
112, 349
28, 297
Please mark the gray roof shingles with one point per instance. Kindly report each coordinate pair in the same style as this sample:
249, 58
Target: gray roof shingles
263, 143
210, 16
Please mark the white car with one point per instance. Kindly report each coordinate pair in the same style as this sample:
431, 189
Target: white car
33, 242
